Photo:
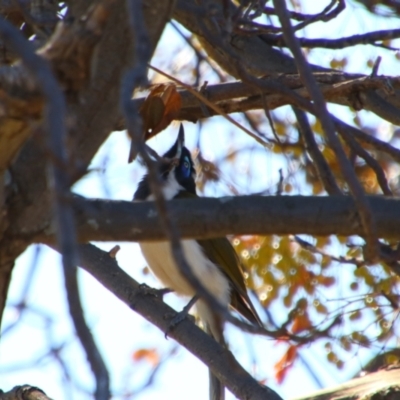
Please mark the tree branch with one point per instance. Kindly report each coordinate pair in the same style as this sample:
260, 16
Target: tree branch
24, 392
258, 58
221, 361
339, 88
107, 220
323, 171
69, 52
55, 134
97, 364
366, 216
383, 385
372, 163
92, 117
340, 43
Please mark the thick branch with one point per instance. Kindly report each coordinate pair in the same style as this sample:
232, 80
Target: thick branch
25, 392
92, 116
383, 385
69, 53
221, 361
105, 220
339, 88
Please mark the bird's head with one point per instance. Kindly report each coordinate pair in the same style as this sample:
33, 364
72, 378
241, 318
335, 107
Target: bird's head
176, 169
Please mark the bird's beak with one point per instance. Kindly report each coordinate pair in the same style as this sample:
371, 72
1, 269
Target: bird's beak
180, 141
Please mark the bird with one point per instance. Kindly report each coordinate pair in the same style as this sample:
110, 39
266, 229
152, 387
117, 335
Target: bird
214, 262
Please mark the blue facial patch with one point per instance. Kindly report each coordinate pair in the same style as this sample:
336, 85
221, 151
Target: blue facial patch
185, 167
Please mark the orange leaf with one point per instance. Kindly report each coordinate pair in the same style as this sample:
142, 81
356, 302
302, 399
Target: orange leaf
149, 355
280, 375
301, 323
285, 363
160, 108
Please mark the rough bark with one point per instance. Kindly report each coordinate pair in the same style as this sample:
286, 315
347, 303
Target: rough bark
337, 87
107, 220
382, 385
93, 112
24, 392
240, 55
221, 361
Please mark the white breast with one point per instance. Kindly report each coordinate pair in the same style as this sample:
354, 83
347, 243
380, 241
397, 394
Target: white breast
160, 260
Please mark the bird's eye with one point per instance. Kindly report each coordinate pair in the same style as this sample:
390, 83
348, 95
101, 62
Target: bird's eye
186, 167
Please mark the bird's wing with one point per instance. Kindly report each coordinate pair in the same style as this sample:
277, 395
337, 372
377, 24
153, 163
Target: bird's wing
221, 253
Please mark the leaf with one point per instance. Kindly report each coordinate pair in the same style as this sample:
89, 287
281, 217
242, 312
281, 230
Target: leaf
321, 308
149, 355
360, 338
326, 281
301, 323
345, 343
160, 108
337, 63
355, 315
285, 363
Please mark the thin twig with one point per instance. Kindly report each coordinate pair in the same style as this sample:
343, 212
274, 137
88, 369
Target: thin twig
375, 68
279, 189
322, 167
369, 38
313, 249
208, 103
365, 38
371, 162
85, 336
136, 76
374, 142
366, 216
199, 54
323, 15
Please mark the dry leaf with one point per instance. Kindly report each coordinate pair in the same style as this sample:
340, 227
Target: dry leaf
285, 363
301, 323
160, 108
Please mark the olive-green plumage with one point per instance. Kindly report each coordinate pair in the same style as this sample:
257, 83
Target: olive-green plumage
221, 253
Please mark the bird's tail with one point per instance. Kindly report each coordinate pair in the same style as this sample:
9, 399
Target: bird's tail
214, 327
216, 389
